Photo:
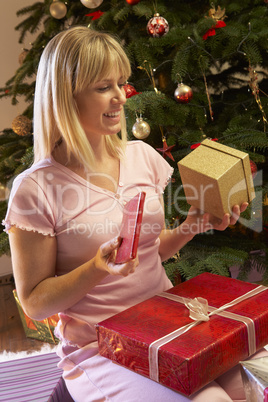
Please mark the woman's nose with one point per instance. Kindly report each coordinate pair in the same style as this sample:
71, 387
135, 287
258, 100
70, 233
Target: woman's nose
119, 96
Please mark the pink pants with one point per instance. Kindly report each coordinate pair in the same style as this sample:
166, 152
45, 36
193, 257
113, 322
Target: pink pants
92, 378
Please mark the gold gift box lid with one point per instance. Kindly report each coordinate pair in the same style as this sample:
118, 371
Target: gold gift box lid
215, 177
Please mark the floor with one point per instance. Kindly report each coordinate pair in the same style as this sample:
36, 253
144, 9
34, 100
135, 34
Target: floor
12, 335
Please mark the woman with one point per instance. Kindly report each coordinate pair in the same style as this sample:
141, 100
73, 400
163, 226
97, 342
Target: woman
65, 212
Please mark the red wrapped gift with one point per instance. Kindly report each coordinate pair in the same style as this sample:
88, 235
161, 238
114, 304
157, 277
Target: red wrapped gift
158, 339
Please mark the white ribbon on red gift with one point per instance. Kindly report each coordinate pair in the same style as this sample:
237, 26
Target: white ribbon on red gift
200, 311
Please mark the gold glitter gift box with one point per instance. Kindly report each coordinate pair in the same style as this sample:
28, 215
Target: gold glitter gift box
41, 330
216, 177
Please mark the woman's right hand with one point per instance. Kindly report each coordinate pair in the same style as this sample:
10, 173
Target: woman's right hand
105, 257
41, 292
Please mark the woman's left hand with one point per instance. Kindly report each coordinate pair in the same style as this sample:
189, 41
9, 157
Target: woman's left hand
199, 222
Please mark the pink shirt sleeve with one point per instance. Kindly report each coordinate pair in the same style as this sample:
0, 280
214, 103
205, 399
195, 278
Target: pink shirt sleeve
28, 207
162, 171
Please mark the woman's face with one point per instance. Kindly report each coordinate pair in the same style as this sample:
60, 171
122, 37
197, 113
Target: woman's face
100, 106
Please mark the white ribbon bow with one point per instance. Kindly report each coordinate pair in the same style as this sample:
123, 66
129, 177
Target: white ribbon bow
198, 308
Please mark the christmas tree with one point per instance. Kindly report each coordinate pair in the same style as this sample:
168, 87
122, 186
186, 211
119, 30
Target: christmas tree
199, 71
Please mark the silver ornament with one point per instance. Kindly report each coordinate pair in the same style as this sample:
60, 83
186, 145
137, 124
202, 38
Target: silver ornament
141, 129
91, 3
58, 9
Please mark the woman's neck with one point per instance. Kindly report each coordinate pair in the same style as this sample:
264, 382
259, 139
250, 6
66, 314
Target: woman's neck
107, 167
99, 148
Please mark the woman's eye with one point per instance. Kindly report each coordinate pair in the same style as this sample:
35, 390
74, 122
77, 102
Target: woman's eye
107, 87
103, 89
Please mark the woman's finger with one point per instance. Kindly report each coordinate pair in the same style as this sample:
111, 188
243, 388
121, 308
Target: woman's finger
243, 207
123, 269
109, 246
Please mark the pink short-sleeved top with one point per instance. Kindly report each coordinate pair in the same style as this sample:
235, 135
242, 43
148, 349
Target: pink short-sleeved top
51, 199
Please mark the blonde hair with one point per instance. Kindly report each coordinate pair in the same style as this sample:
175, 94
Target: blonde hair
71, 61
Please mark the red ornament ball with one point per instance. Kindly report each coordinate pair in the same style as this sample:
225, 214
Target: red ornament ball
183, 93
157, 26
253, 168
132, 2
130, 91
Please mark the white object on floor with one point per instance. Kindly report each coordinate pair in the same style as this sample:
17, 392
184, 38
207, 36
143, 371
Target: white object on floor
4, 356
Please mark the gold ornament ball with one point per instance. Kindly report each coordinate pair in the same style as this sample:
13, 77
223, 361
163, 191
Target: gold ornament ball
22, 56
58, 10
141, 129
91, 3
21, 125
3, 192
183, 93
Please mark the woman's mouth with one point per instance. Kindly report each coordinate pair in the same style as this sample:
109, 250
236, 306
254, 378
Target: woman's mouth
112, 114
